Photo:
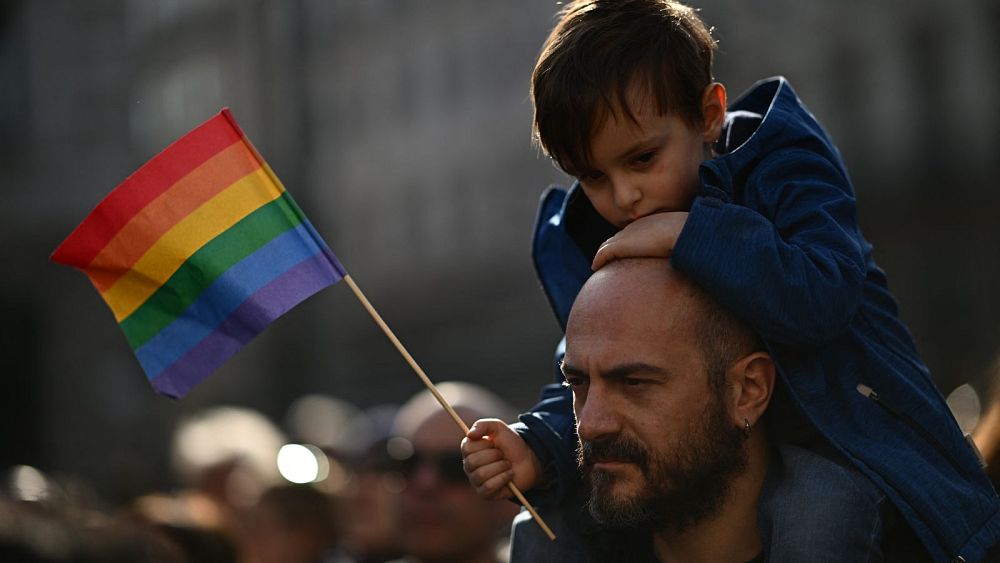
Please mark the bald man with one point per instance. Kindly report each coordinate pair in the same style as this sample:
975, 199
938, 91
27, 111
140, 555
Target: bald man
669, 393
668, 389
443, 520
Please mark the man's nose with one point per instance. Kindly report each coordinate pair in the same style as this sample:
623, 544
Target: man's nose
596, 417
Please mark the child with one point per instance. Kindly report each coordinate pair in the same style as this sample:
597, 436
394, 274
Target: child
755, 205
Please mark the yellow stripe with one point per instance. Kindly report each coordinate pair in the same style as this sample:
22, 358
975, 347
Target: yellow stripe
186, 237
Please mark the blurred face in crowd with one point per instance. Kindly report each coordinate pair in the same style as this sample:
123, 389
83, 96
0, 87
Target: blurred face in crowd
292, 524
658, 445
442, 517
371, 510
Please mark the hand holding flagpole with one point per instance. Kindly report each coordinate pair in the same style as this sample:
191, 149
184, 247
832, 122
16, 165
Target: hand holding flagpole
437, 395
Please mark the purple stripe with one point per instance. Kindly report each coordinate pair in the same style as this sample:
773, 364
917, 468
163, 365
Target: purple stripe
245, 323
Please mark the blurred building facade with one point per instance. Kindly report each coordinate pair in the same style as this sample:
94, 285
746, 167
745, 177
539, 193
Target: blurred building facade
402, 128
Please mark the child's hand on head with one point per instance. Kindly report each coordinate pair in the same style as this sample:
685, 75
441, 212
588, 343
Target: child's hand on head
493, 455
652, 236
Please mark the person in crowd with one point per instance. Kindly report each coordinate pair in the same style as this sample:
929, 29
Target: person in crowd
37, 532
370, 501
293, 524
986, 435
188, 521
443, 520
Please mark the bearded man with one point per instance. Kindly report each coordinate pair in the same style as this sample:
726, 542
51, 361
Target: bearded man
668, 390
671, 397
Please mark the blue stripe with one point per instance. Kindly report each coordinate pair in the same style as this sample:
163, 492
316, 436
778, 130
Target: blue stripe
225, 294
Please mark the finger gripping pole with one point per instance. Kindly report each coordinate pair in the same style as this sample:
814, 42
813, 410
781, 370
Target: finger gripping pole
437, 394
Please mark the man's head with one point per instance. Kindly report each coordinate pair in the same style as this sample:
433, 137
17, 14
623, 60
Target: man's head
665, 382
442, 517
624, 101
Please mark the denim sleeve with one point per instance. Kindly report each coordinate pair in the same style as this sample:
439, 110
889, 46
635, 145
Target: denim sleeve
549, 429
790, 260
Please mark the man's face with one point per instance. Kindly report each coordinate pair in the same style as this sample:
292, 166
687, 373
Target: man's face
643, 167
658, 445
442, 517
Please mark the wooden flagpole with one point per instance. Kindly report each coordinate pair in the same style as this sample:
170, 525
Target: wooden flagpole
437, 395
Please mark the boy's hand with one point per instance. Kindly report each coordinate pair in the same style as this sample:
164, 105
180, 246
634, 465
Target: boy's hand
493, 455
652, 236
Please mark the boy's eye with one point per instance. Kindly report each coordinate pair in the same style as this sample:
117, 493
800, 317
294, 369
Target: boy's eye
592, 176
573, 381
645, 157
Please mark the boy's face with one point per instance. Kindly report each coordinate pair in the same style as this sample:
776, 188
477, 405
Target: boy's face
650, 165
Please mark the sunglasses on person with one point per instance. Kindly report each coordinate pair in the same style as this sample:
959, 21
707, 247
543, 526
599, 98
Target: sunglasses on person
447, 466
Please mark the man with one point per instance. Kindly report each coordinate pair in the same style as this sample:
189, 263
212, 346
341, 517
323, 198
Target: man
671, 393
668, 393
443, 520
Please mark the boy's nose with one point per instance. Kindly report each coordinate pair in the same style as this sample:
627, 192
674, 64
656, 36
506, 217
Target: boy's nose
626, 194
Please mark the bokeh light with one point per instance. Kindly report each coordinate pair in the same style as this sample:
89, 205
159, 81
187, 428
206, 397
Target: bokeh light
302, 463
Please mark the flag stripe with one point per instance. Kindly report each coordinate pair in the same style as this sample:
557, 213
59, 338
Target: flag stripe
173, 205
207, 264
245, 323
185, 238
224, 295
142, 187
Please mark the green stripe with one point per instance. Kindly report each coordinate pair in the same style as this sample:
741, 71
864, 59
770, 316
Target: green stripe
207, 264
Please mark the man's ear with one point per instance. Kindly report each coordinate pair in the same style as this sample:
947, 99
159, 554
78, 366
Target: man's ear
751, 380
713, 109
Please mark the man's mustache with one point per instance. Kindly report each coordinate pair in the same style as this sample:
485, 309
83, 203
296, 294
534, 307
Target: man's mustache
620, 448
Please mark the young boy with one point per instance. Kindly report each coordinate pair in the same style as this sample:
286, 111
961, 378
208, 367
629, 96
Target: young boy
755, 205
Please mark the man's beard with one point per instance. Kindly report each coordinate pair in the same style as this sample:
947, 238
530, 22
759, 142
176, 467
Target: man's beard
683, 487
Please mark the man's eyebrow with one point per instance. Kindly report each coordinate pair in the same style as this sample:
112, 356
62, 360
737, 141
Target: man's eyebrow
567, 369
633, 368
617, 372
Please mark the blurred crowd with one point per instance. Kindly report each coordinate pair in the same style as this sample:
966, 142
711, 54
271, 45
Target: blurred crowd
346, 486
385, 484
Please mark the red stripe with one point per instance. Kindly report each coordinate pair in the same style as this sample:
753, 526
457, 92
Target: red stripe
143, 186
149, 224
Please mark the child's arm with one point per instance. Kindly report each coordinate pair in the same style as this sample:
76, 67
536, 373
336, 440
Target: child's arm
790, 261
653, 236
493, 455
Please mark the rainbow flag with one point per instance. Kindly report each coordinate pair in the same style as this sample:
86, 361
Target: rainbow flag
197, 252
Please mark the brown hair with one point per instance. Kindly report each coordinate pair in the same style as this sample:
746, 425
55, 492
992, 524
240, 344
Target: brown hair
597, 51
722, 338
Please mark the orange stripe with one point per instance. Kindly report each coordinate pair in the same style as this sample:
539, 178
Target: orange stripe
147, 226
186, 237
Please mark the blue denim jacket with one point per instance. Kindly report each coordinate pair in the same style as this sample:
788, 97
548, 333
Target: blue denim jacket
773, 237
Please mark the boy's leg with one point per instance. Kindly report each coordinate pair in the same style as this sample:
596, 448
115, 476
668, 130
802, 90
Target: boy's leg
816, 507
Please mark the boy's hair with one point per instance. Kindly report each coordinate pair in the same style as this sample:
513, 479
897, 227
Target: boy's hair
597, 52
